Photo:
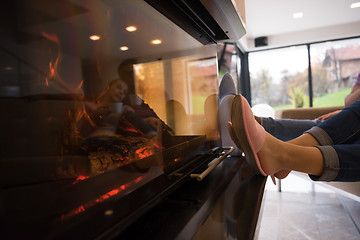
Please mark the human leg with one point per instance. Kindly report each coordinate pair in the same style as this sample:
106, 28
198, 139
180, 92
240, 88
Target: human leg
341, 163
287, 129
343, 128
338, 139
268, 155
326, 163
276, 155
322, 163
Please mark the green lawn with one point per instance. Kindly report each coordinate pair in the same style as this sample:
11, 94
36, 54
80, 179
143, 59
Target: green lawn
332, 99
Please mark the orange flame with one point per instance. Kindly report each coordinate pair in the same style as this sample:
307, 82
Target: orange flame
54, 76
80, 178
143, 152
92, 203
129, 129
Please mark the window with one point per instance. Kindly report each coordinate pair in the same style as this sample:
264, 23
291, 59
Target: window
334, 66
279, 77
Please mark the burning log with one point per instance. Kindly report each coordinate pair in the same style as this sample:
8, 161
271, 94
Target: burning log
106, 153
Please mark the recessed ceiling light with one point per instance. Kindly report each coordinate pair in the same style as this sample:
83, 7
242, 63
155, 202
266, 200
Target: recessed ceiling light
156, 41
131, 28
94, 37
109, 212
8, 68
124, 48
355, 5
298, 15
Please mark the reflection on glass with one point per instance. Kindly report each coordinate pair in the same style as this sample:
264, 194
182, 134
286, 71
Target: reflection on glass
88, 121
279, 77
334, 66
82, 107
229, 61
180, 92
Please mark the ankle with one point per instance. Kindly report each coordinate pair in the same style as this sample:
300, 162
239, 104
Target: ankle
271, 155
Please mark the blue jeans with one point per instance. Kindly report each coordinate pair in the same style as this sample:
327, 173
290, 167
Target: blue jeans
338, 137
287, 129
339, 140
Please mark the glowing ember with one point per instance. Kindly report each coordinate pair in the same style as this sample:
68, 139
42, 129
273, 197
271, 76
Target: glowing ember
92, 203
143, 152
80, 178
132, 130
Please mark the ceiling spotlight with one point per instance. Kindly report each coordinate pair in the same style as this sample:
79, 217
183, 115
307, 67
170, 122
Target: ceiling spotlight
124, 48
109, 212
156, 41
8, 68
298, 15
94, 37
355, 5
131, 28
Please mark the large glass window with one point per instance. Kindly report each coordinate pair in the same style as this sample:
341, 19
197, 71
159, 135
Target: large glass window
335, 66
279, 77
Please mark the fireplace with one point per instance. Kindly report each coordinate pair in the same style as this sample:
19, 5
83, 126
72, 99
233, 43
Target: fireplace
108, 108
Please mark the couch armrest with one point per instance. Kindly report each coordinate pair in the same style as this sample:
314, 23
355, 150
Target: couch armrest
305, 113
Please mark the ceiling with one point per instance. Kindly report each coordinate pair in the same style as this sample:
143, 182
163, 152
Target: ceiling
322, 20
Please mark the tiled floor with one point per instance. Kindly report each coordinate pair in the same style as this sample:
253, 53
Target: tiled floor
307, 210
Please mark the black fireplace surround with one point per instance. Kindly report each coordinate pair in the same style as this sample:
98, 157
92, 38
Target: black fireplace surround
60, 180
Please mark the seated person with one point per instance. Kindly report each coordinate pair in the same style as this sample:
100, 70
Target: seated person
110, 113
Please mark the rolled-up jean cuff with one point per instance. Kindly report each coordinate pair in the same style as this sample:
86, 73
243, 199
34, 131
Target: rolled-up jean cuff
331, 164
320, 135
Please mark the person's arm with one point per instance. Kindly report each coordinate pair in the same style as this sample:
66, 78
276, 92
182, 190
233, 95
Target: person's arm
353, 96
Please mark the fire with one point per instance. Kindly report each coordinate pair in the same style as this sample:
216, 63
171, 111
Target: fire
143, 152
78, 88
130, 129
80, 178
82, 208
53, 74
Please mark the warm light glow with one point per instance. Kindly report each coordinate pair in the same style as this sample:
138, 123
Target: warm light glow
94, 37
8, 68
143, 152
298, 15
124, 48
108, 212
355, 5
80, 178
100, 199
131, 29
156, 41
